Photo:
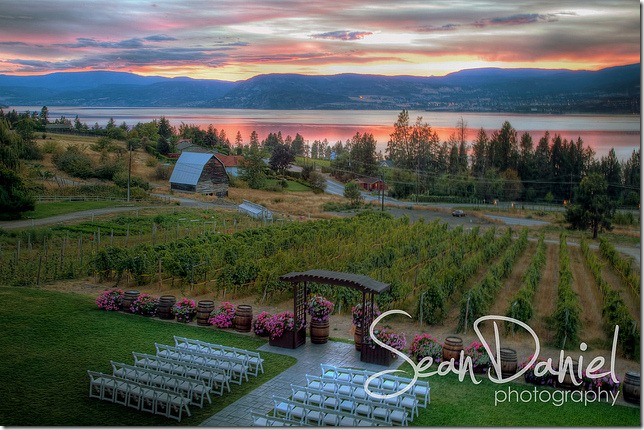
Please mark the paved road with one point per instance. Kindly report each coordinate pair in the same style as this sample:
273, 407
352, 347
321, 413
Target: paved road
518, 221
10, 225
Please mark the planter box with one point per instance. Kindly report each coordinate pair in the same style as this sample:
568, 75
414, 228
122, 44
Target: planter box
290, 339
377, 355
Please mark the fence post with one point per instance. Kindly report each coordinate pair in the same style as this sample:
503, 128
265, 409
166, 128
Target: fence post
467, 311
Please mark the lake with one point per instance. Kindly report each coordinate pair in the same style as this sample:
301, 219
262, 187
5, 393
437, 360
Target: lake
601, 132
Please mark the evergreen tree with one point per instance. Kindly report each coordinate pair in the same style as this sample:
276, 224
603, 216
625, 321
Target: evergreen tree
591, 207
479, 154
612, 171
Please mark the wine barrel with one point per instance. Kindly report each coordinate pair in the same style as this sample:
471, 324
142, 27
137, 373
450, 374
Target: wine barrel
357, 338
319, 331
452, 349
204, 307
128, 298
508, 362
243, 318
164, 310
631, 387
567, 382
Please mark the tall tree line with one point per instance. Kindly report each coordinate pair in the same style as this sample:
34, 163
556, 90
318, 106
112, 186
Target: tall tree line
501, 165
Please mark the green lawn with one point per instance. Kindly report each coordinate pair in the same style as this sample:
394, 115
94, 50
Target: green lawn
50, 340
463, 404
45, 210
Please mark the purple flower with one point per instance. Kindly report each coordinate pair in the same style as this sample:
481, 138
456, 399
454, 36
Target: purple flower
110, 300
223, 316
320, 308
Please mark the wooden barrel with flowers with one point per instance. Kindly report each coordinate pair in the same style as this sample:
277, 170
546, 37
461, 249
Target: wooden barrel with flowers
128, 298
452, 349
164, 310
204, 307
243, 318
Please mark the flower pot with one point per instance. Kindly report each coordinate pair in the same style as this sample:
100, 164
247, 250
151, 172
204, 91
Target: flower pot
376, 354
243, 318
357, 337
204, 307
290, 339
185, 318
319, 331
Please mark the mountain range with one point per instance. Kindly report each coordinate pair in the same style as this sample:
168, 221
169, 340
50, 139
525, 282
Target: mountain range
610, 90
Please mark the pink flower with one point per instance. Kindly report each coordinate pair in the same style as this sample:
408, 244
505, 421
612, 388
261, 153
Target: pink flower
223, 316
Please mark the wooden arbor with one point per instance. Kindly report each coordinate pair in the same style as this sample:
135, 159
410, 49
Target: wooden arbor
368, 286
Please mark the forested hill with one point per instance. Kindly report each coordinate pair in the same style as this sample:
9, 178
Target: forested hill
611, 90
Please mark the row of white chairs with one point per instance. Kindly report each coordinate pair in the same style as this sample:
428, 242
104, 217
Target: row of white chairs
192, 389
238, 366
366, 407
260, 420
388, 382
407, 402
138, 396
216, 378
255, 362
302, 413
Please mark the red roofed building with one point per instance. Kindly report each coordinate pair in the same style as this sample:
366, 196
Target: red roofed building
230, 162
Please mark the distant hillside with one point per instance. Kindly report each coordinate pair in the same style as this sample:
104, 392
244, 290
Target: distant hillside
611, 90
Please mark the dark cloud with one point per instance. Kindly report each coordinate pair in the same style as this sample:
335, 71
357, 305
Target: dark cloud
520, 19
446, 27
343, 35
160, 38
84, 42
13, 44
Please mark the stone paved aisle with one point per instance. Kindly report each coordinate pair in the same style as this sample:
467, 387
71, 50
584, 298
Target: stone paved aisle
309, 357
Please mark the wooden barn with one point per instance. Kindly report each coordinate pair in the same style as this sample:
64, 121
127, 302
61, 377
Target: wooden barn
199, 173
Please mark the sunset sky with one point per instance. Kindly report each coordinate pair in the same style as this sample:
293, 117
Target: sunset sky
238, 39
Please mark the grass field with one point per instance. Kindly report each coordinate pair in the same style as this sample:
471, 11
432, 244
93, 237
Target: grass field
292, 185
50, 339
44, 210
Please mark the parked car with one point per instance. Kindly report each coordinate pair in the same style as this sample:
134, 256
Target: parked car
458, 212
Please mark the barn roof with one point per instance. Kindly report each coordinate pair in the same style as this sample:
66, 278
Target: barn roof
189, 167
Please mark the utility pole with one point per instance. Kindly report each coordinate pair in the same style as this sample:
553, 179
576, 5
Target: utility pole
129, 171
382, 188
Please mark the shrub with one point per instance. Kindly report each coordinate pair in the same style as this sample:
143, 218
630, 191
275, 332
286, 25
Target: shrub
356, 314
184, 310
110, 300
74, 163
390, 338
223, 316
163, 172
259, 325
319, 308
145, 305
120, 179
480, 358
279, 323
426, 345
